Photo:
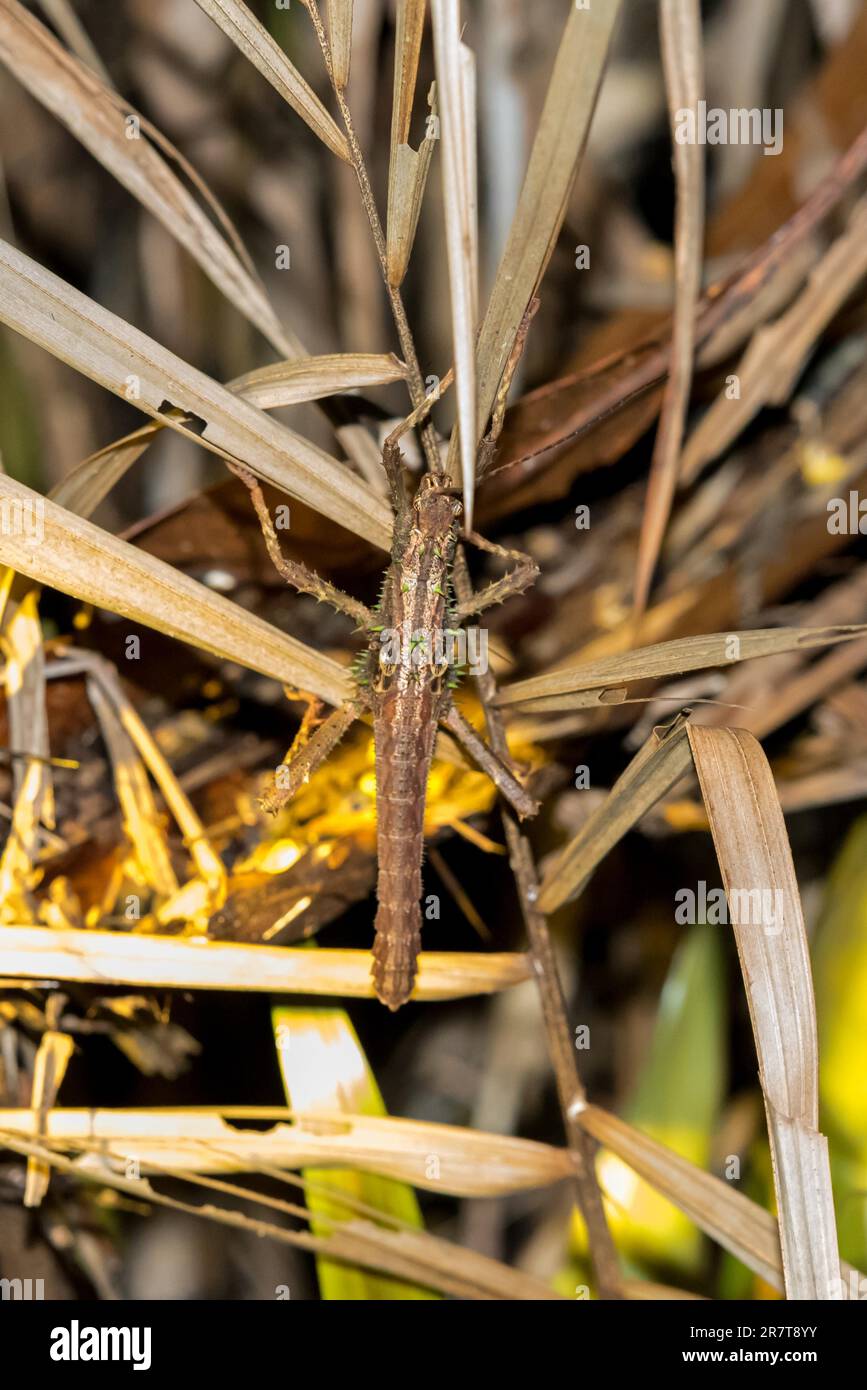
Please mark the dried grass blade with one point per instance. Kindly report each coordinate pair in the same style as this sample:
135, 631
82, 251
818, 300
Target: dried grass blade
128, 958
408, 181
672, 658
81, 559
777, 351
340, 38
735, 1222
18, 876
24, 682
207, 861
407, 168
141, 818
428, 1260
752, 846
456, 88
656, 768
680, 31
409, 28
471, 1163
90, 481
311, 378
97, 116
73, 33
49, 1069
239, 23
110, 351
554, 160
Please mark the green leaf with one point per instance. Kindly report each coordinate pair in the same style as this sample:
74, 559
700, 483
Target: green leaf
323, 1067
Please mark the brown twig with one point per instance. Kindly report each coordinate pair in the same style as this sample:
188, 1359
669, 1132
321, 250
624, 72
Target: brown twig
560, 1049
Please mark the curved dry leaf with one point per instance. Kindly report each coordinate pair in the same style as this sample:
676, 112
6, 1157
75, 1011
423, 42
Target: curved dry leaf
777, 351
471, 1163
89, 482
311, 378
239, 23
735, 1222
669, 659
554, 159
73, 33
96, 116
142, 821
411, 1255
340, 39
755, 859
650, 776
407, 168
73, 555
110, 351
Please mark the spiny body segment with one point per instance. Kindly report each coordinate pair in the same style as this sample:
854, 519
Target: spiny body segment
408, 692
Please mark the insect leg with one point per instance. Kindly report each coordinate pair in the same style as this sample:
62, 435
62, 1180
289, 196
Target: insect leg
296, 574
306, 754
515, 582
502, 776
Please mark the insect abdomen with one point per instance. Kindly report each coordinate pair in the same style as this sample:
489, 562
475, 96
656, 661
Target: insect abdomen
404, 735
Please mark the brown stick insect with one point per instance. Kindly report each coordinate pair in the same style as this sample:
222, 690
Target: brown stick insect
405, 679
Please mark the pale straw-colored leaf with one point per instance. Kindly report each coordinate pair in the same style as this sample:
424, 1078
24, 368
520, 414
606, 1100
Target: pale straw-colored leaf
553, 690
456, 89
409, 28
49, 1068
655, 769
730, 1218
311, 378
406, 192
554, 160
406, 1254
110, 351
680, 33
26, 712
18, 873
130, 958
339, 14
97, 116
89, 482
470, 1163
78, 558
24, 683
776, 354
102, 674
239, 23
407, 168
280, 383
73, 33
755, 860
141, 819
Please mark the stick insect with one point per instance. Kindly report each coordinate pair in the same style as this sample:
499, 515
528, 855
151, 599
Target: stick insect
404, 679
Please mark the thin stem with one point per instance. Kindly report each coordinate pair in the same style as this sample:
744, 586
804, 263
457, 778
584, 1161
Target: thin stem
415, 381
560, 1050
